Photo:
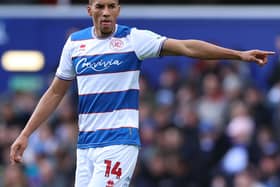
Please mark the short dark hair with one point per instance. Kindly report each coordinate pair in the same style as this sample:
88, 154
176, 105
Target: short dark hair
91, 1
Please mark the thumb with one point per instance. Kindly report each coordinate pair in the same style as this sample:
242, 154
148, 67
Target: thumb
258, 61
19, 153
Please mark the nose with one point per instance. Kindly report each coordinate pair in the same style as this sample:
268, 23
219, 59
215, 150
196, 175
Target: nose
106, 11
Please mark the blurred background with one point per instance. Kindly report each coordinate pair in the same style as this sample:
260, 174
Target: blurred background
202, 123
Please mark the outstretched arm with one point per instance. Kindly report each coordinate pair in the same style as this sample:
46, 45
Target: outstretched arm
43, 110
204, 50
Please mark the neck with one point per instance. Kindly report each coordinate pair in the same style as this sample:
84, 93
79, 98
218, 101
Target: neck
99, 34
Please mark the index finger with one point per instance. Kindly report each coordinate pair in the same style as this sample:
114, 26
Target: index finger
269, 52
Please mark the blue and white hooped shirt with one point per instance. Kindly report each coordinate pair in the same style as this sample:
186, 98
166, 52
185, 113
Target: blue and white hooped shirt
107, 72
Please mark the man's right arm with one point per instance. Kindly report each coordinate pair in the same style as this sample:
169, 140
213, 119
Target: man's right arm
43, 110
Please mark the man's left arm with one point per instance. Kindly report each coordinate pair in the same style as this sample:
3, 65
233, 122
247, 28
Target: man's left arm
204, 50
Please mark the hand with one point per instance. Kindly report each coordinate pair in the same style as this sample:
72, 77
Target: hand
257, 56
17, 149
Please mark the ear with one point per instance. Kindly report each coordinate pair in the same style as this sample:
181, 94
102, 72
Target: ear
119, 10
89, 10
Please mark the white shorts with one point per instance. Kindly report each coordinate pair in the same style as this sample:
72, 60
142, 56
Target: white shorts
110, 166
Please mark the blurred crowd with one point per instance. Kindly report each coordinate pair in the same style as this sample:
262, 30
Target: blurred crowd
210, 127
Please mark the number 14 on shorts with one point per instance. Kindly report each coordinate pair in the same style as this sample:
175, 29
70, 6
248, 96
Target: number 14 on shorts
116, 170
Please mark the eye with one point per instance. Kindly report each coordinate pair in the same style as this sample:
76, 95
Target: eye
112, 6
99, 6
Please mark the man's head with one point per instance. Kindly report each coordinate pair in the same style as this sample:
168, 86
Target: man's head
104, 14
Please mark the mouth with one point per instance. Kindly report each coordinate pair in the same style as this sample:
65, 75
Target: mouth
106, 22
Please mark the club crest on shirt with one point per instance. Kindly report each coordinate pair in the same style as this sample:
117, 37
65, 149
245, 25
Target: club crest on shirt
116, 44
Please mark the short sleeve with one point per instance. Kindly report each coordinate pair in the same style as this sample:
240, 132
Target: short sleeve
147, 44
65, 68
